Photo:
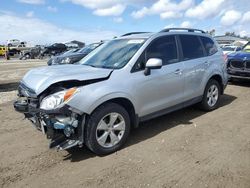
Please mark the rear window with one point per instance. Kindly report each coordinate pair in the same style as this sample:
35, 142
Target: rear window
209, 46
247, 48
191, 47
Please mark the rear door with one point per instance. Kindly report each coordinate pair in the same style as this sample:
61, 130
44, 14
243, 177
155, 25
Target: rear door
195, 64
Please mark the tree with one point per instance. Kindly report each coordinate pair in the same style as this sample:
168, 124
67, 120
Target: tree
231, 34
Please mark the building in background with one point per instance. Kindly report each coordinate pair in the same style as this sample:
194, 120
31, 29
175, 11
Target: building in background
230, 40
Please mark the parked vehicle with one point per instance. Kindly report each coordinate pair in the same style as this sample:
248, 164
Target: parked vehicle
2, 50
31, 53
222, 45
239, 64
71, 46
15, 43
54, 49
75, 44
125, 81
13, 51
230, 49
73, 56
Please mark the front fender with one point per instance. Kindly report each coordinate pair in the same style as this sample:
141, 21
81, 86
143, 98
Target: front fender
90, 97
111, 96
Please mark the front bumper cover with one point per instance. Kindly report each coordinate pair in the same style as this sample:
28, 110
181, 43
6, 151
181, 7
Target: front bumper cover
46, 121
239, 74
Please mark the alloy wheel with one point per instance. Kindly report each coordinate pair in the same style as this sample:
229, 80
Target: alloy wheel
212, 95
110, 130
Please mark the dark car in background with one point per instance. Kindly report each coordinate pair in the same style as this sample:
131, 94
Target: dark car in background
54, 49
73, 56
238, 66
31, 53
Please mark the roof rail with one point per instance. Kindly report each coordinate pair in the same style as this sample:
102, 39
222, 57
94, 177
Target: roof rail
133, 33
181, 29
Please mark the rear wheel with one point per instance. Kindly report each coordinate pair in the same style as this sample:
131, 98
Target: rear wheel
27, 56
107, 129
211, 96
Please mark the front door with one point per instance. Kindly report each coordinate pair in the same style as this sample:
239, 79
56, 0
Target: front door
164, 87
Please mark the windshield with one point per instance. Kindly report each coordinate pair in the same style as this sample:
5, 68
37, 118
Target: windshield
247, 48
71, 51
114, 54
89, 48
228, 49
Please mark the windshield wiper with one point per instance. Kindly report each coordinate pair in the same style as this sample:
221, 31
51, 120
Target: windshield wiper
107, 67
103, 67
90, 65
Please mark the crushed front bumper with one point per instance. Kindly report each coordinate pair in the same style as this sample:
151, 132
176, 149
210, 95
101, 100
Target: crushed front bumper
63, 126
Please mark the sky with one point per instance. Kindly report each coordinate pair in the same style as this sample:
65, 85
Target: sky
49, 21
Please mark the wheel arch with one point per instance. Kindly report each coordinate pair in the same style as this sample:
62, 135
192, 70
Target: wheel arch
218, 78
127, 105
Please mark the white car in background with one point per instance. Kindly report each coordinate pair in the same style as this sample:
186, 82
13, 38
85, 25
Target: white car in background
230, 49
16, 43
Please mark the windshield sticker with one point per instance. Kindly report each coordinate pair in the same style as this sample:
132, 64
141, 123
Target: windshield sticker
135, 41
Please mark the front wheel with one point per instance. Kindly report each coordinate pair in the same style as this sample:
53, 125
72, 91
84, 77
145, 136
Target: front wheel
211, 96
107, 129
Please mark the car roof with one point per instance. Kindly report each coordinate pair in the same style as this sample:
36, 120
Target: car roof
139, 35
167, 31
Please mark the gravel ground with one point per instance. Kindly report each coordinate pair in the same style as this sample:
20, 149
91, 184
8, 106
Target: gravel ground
187, 148
13, 70
7, 96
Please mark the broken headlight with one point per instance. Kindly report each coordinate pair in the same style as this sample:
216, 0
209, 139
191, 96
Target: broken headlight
57, 99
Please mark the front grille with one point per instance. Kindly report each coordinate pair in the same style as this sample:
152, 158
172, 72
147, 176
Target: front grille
34, 103
238, 64
248, 64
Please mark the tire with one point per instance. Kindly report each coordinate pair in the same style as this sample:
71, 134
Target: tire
209, 104
99, 140
27, 56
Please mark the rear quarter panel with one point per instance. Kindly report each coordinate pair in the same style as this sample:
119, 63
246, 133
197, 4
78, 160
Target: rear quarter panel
217, 66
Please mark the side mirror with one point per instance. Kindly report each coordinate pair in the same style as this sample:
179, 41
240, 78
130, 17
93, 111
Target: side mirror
152, 63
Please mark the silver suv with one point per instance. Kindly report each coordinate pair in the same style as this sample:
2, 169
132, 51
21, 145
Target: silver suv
127, 80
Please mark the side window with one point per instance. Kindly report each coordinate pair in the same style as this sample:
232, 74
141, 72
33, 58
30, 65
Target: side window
209, 45
163, 48
191, 47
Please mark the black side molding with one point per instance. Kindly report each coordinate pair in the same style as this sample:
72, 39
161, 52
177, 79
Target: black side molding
171, 109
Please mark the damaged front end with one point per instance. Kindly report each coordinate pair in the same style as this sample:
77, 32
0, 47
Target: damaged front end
62, 124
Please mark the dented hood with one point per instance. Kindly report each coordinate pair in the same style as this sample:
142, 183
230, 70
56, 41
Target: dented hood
39, 79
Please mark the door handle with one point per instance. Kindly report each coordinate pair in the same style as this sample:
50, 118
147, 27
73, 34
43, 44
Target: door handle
178, 71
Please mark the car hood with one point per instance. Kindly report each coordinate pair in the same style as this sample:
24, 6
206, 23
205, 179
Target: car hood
72, 55
40, 79
239, 55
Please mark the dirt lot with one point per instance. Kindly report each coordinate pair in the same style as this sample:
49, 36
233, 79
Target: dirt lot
187, 148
